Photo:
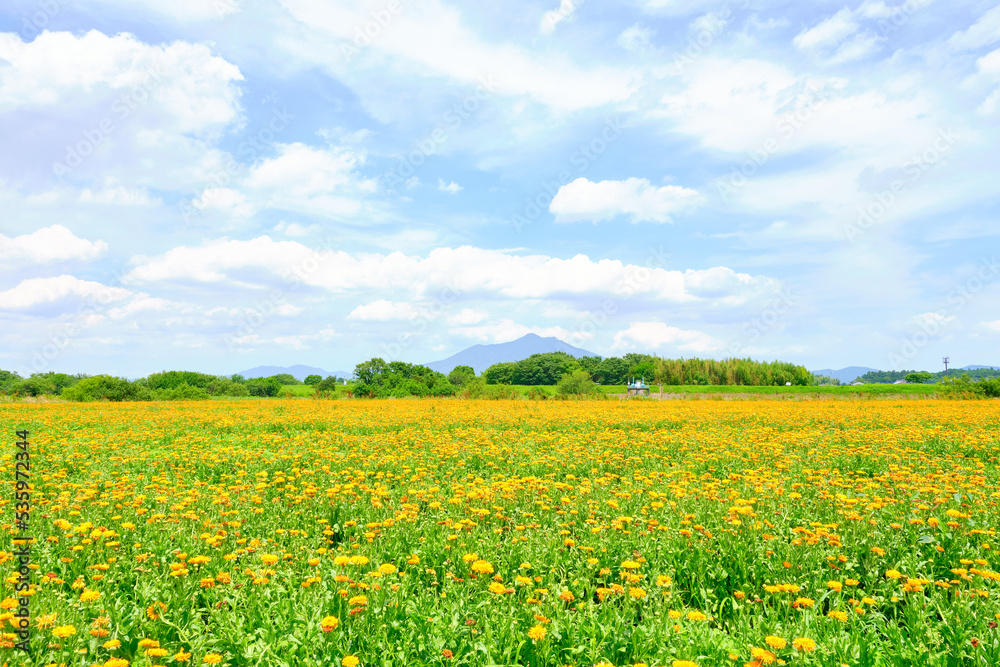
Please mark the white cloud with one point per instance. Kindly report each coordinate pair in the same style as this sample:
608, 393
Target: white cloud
468, 316
141, 303
430, 39
37, 291
982, 33
655, 335
450, 188
312, 180
932, 320
383, 311
993, 326
553, 18
189, 87
635, 38
828, 32
50, 244
443, 273
585, 200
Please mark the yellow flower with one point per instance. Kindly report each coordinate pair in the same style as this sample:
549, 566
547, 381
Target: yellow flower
684, 663
696, 616
329, 623
803, 644
776, 642
482, 567
181, 656
156, 652
537, 633
269, 559
212, 659
839, 615
763, 656
111, 644
350, 661
116, 662
89, 596
64, 631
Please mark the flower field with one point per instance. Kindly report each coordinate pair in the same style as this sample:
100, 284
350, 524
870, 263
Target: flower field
445, 532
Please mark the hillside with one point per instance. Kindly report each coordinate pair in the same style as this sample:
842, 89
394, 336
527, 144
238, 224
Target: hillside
481, 357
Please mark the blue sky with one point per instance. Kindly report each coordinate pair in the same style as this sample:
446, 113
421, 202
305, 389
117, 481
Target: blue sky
217, 184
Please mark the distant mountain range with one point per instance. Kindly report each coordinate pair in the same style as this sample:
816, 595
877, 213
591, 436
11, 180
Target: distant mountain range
298, 372
481, 357
851, 373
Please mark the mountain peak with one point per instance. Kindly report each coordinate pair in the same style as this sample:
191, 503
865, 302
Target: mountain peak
482, 356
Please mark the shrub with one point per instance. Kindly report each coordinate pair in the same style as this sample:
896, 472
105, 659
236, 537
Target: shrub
106, 388
577, 383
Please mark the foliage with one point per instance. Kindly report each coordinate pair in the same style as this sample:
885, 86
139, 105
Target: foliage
183, 392
538, 369
546, 369
313, 379
398, 379
918, 378
263, 387
286, 379
106, 388
576, 383
459, 375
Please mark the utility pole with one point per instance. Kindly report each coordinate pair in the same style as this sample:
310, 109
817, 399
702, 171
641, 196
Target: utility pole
946, 360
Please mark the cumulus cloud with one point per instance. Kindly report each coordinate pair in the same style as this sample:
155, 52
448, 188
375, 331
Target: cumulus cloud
37, 291
451, 188
993, 326
50, 244
657, 335
449, 271
585, 200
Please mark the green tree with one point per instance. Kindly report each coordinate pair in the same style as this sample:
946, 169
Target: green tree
576, 383
460, 375
313, 379
918, 378
502, 373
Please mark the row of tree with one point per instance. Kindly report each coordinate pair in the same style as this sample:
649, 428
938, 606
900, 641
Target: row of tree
549, 368
889, 377
167, 385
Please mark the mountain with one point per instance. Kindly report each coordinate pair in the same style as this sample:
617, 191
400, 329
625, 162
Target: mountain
978, 368
298, 372
481, 357
845, 375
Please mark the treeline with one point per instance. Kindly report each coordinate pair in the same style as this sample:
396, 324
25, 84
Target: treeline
550, 368
163, 386
889, 377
